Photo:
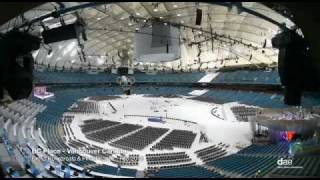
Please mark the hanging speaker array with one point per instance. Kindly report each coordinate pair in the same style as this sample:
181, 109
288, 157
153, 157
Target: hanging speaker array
159, 43
199, 17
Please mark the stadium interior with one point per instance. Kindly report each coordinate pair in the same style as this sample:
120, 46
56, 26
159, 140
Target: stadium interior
159, 90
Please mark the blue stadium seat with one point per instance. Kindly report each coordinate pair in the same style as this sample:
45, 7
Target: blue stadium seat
246, 166
251, 77
186, 172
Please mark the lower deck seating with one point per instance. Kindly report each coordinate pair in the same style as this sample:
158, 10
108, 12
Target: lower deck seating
152, 169
76, 144
246, 166
105, 169
271, 149
185, 172
83, 163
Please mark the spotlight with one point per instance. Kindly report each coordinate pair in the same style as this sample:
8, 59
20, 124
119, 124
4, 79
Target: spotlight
155, 7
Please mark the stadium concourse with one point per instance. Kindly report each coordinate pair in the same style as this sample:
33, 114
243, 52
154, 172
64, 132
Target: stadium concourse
208, 103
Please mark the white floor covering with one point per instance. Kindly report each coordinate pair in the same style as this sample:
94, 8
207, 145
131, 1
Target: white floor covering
228, 130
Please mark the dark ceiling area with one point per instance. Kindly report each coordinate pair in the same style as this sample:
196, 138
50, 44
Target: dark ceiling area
10, 10
306, 16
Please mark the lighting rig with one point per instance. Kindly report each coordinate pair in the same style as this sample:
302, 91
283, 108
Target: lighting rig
67, 32
212, 35
207, 35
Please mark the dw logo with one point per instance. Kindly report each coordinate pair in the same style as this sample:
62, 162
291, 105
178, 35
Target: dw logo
284, 162
287, 163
